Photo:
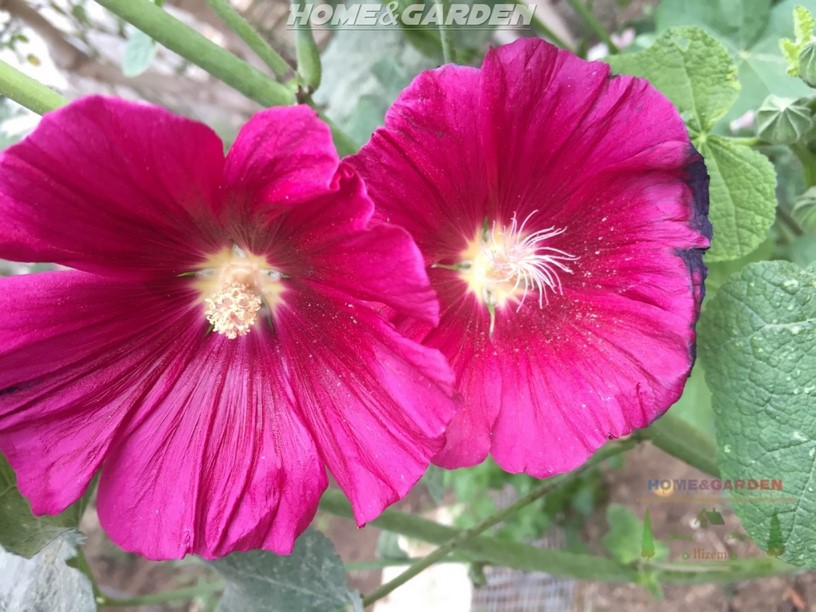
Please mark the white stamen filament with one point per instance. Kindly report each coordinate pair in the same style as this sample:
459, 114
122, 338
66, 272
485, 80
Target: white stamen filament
506, 264
524, 260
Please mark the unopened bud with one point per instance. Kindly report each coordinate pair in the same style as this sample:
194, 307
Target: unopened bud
807, 64
783, 120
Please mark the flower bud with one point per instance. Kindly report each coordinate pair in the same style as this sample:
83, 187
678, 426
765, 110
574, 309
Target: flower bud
807, 64
783, 120
804, 211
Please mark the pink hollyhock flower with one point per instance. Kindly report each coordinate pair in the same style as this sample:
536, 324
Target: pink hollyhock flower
562, 216
218, 345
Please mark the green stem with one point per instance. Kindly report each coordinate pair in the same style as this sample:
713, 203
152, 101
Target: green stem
446, 34
250, 36
721, 571
679, 438
184, 40
83, 566
593, 24
308, 55
541, 28
205, 588
28, 92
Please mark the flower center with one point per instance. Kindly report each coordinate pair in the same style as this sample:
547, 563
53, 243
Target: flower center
233, 310
505, 264
236, 287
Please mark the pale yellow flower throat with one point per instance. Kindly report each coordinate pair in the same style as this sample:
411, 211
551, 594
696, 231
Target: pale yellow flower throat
236, 287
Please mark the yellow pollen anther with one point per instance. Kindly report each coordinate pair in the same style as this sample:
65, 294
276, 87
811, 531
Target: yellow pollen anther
233, 309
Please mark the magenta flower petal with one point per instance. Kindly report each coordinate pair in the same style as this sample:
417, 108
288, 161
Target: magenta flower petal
435, 117
75, 358
282, 155
587, 120
567, 257
326, 246
106, 184
385, 400
231, 343
204, 470
464, 337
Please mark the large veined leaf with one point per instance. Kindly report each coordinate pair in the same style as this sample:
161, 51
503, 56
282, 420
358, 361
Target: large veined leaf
758, 344
312, 578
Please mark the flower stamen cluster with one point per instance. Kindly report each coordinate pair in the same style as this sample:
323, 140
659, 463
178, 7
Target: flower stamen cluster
233, 310
236, 286
505, 264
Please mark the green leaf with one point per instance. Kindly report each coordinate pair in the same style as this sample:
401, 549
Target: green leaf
650, 580
758, 344
388, 546
363, 74
45, 582
311, 578
470, 42
21, 532
738, 21
790, 51
307, 53
803, 23
751, 30
79, 13
743, 197
8, 111
692, 68
425, 40
804, 211
627, 540
434, 481
776, 541
139, 53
